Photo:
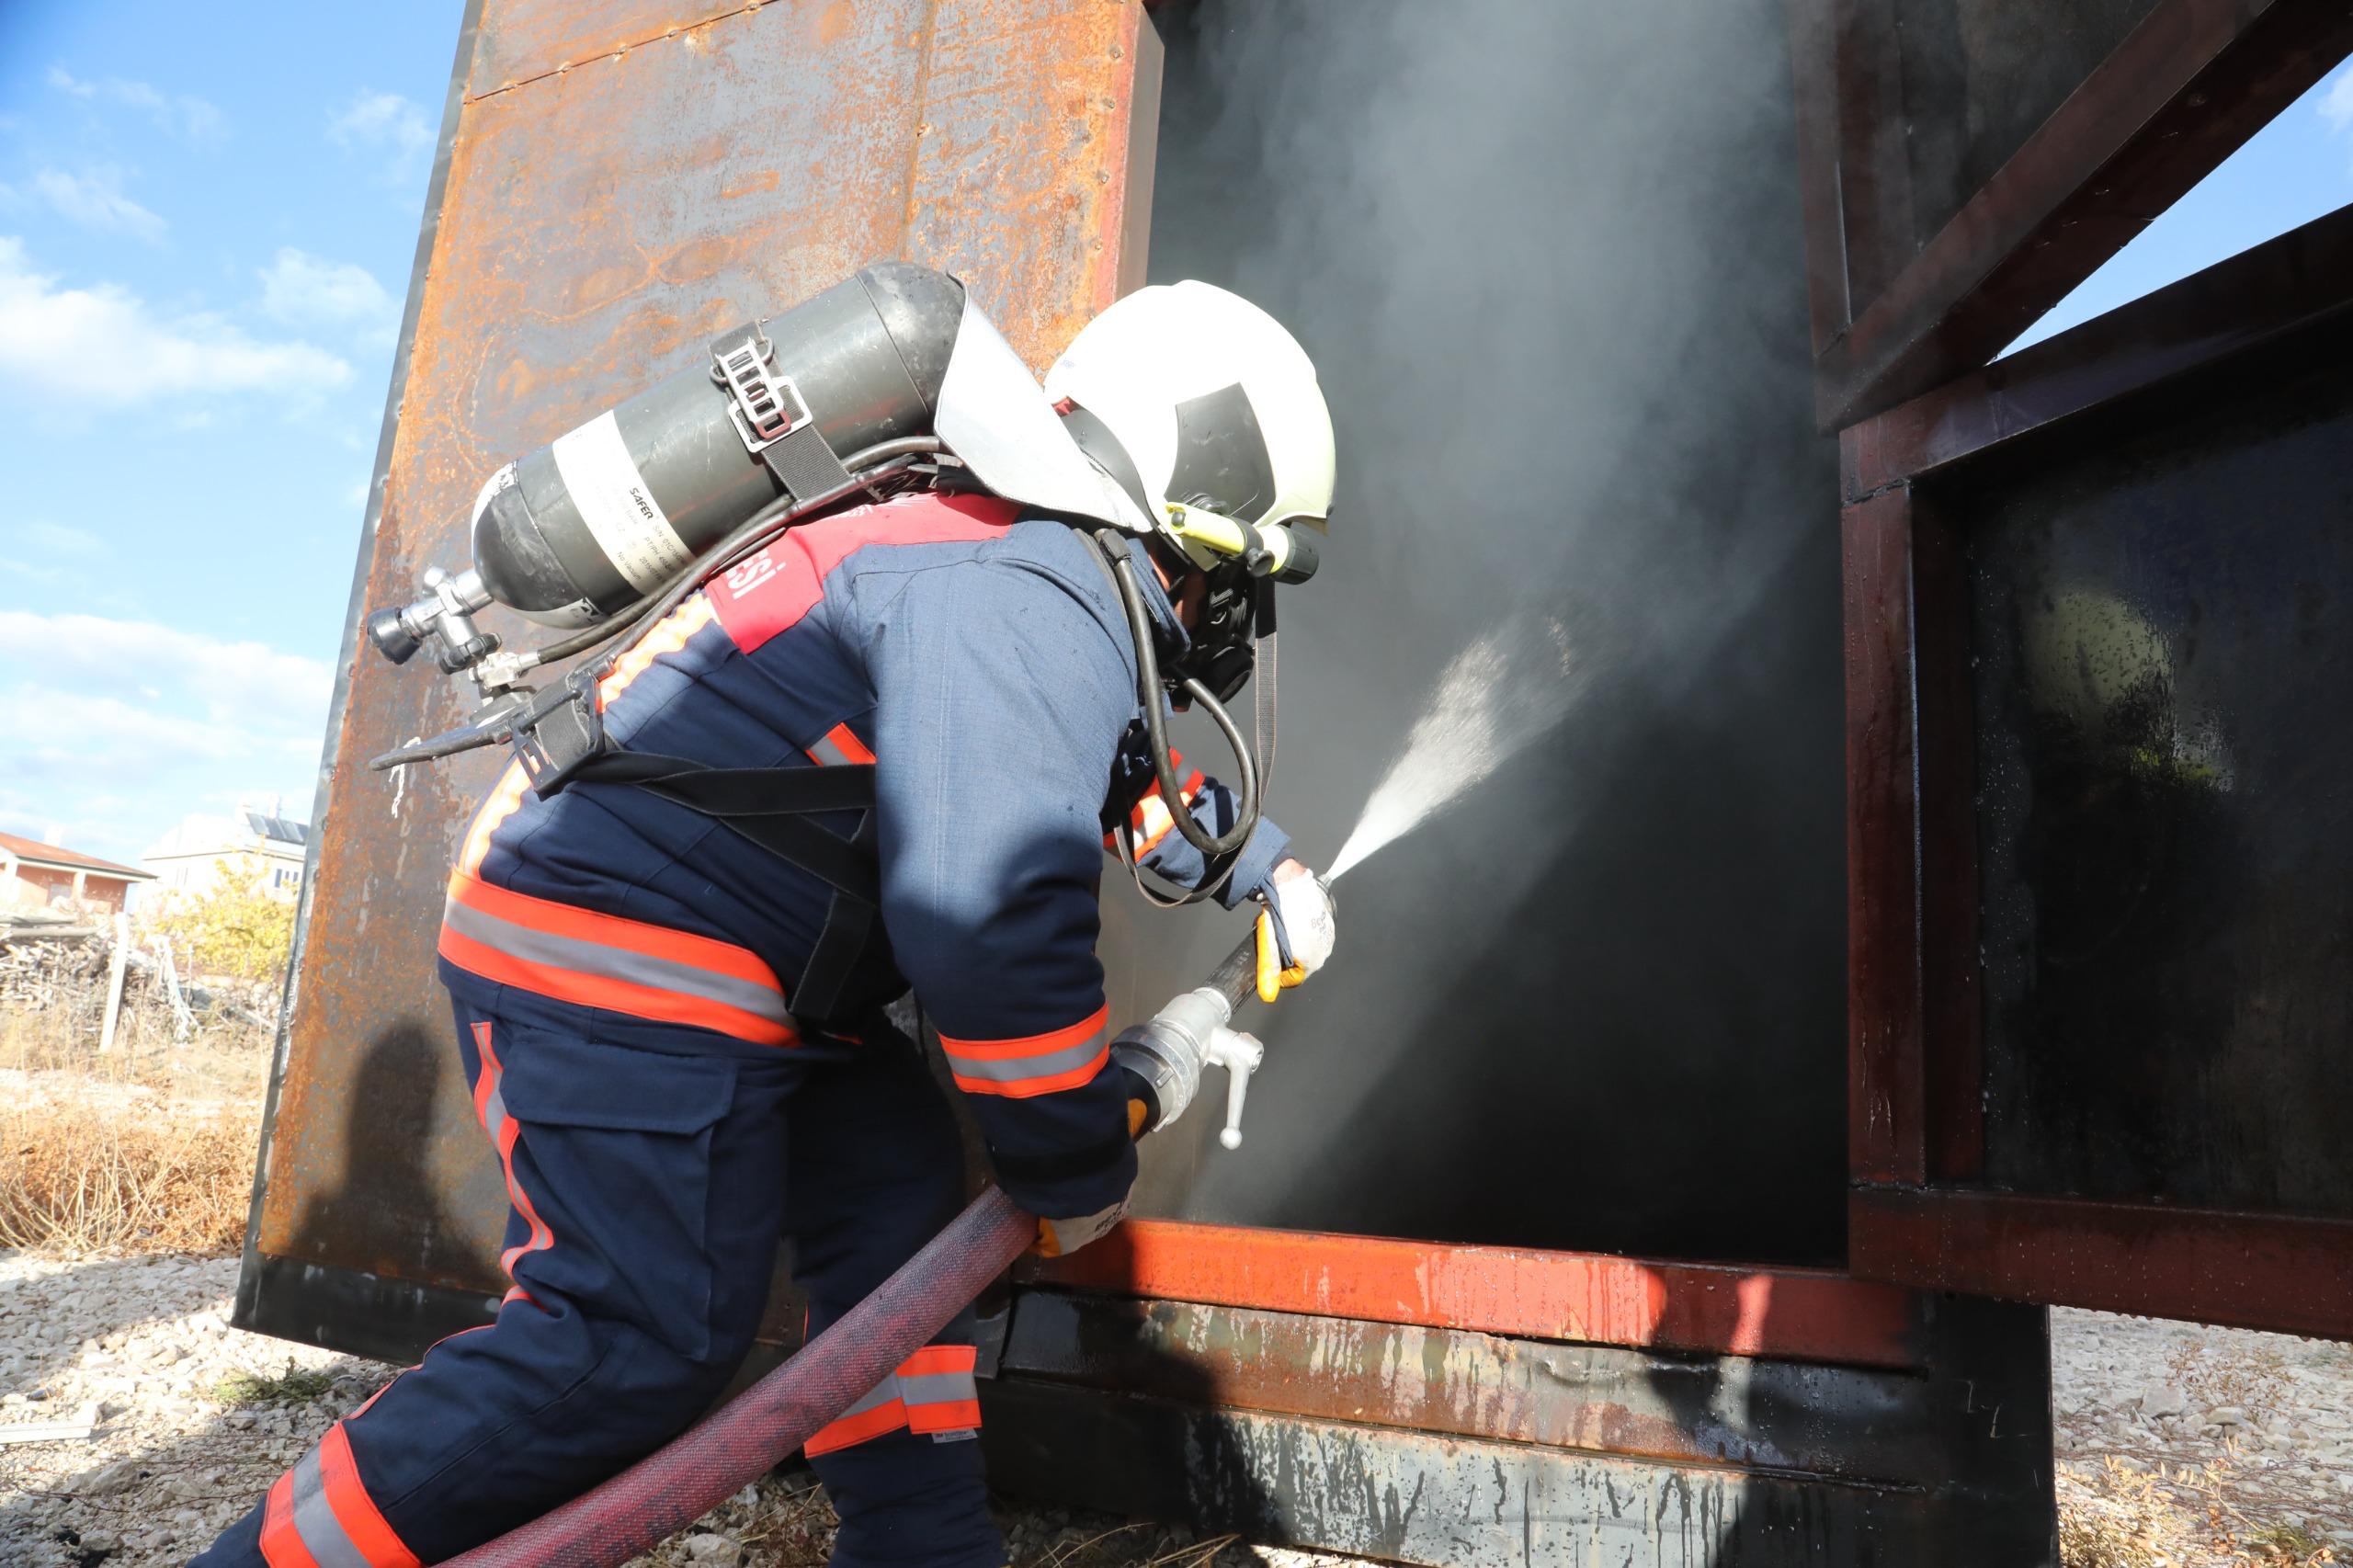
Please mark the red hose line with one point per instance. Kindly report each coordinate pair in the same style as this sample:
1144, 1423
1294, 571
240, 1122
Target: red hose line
712, 1461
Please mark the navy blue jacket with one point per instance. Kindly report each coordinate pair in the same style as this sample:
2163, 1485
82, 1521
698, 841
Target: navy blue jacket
984, 666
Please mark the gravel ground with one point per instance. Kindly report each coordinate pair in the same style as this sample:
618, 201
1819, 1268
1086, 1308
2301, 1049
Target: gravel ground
2228, 1434
2246, 1436
195, 1419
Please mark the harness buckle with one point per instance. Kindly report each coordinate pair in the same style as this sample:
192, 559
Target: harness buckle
561, 734
765, 404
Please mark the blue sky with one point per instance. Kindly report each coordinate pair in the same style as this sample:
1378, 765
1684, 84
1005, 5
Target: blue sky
205, 232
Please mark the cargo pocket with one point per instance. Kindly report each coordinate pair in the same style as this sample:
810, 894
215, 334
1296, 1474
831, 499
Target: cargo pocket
611, 1161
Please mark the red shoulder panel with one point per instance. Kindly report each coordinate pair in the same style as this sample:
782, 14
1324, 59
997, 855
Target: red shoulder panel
769, 593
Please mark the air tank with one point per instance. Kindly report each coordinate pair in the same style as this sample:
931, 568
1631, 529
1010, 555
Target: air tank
607, 511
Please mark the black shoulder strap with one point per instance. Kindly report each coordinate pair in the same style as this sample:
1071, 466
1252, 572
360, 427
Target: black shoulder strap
769, 806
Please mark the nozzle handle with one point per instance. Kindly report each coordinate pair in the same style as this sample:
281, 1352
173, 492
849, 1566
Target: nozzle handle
1240, 1055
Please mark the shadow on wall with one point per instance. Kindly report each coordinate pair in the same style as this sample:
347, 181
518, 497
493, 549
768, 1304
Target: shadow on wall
388, 1198
1547, 261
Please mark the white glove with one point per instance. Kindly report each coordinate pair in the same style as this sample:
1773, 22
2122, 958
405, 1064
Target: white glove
1060, 1238
1305, 923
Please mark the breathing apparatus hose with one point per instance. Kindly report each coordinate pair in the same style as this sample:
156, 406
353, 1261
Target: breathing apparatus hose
737, 1444
1149, 698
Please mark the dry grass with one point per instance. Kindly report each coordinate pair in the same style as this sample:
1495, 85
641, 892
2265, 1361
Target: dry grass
785, 1522
136, 1178
2120, 1515
149, 1147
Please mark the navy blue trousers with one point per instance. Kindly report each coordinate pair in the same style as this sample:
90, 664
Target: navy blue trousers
649, 1189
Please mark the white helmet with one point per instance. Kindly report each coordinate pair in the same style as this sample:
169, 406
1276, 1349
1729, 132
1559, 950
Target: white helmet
1196, 401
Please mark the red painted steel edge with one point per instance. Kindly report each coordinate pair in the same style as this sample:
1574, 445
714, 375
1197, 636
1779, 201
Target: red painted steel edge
2284, 1273
2260, 296
2183, 90
1781, 1313
1886, 1134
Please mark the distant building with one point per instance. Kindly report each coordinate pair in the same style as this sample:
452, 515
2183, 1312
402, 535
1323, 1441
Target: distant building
48, 877
196, 854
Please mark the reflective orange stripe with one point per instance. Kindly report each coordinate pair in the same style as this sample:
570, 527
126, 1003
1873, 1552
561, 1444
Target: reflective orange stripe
948, 1364
281, 1545
614, 931
502, 802
931, 1392
852, 749
504, 1135
1152, 820
319, 1515
603, 960
1032, 1065
858, 1427
665, 636
354, 1509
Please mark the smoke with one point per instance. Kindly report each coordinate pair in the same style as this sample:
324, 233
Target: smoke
1546, 257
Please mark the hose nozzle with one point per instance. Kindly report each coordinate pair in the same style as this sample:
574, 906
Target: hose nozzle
1169, 1050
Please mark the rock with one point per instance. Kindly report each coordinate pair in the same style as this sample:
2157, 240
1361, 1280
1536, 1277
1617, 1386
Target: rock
2164, 1401
107, 1481
713, 1549
2226, 1416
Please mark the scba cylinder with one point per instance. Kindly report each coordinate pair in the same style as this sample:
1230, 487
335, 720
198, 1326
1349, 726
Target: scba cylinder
609, 511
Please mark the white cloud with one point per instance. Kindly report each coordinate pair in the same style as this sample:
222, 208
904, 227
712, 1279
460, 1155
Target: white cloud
56, 538
302, 289
2337, 104
391, 124
93, 199
105, 348
176, 114
118, 728
31, 571
243, 687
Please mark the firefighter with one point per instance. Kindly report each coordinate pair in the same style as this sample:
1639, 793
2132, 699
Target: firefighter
666, 1108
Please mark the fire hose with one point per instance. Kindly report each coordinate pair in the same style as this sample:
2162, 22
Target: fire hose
743, 1440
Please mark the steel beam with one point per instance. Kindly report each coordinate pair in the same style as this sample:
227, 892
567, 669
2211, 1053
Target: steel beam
1886, 1110
1797, 1313
1847, 1422
2262, 296
2182, 92
2283, 1273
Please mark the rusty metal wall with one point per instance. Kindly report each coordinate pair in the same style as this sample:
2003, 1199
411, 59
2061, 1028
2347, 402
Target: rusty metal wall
618, 184
1496, 1449
2094, 644
2100, 839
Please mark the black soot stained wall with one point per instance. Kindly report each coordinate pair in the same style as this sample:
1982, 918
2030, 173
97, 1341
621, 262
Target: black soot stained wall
1546, 258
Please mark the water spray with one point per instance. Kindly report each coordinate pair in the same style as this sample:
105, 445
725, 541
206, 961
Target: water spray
1495, 696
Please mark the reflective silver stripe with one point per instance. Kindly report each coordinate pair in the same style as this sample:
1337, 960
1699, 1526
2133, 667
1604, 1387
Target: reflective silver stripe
614, 963
315, 1522
829, 754
1021, 1069
937, 1388
882, 1393
494, 1110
